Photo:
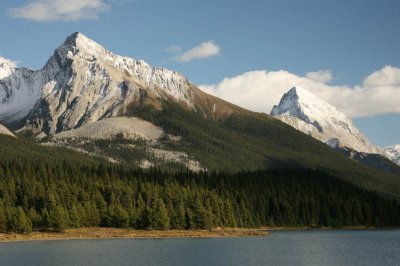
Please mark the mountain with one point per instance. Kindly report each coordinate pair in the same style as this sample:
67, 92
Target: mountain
319, 119
311, 115
393, 153
5, 131
88, 99
82, 83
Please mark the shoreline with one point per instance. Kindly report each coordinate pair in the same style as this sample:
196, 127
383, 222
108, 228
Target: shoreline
88, 233
110, 233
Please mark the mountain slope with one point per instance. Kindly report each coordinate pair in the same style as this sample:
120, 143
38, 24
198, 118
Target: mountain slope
393, 153
54, 189
248, 141
85, 87
317, 118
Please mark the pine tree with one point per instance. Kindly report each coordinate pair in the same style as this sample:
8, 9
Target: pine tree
75, 218
199, 219
120, 217
141, 210
58, 219
158, 215
179, 218
35, 218
20, 222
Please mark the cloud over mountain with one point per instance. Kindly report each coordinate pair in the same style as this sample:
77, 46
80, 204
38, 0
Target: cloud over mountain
259, 90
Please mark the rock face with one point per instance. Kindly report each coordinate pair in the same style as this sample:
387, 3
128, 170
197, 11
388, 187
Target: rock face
317, 118
393, 153
83, 83
5, 131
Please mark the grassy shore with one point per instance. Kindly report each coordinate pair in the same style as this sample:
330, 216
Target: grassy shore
99, 232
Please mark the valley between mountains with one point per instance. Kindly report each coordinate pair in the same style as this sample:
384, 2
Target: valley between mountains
97, 139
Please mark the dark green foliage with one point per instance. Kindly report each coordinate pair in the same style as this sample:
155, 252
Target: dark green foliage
157, 215
47, 191
3, 220
19, 222
58, 218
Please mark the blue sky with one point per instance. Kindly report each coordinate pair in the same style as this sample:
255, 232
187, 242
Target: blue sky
346, 40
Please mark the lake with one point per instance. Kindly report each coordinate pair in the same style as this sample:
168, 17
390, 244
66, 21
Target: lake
374, 247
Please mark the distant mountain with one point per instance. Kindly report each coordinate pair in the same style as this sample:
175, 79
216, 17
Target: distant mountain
5, 131
319, 119
376, 161
393, 153
91, 100
311, 115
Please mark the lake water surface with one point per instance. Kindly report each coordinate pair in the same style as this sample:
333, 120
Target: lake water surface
375, 247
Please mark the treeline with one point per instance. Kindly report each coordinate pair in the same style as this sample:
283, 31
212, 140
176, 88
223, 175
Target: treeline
56, 196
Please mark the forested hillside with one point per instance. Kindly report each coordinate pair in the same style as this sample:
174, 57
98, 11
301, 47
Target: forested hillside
48, 188
252, 141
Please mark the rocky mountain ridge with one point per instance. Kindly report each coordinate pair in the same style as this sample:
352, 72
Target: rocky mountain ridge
83, 83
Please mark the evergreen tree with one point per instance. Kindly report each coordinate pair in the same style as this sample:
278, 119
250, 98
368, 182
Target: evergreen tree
120, 216
20, 222
58, 219
158, 215
199, 220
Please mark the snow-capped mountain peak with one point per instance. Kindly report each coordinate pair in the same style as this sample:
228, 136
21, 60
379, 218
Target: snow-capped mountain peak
316, 117
300, 103
83, 82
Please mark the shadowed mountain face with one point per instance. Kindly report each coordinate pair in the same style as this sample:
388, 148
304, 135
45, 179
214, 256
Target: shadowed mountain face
84, 87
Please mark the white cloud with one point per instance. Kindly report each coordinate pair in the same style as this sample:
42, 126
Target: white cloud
387, 76
53, 10
261, 90
203, 50
324, 76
